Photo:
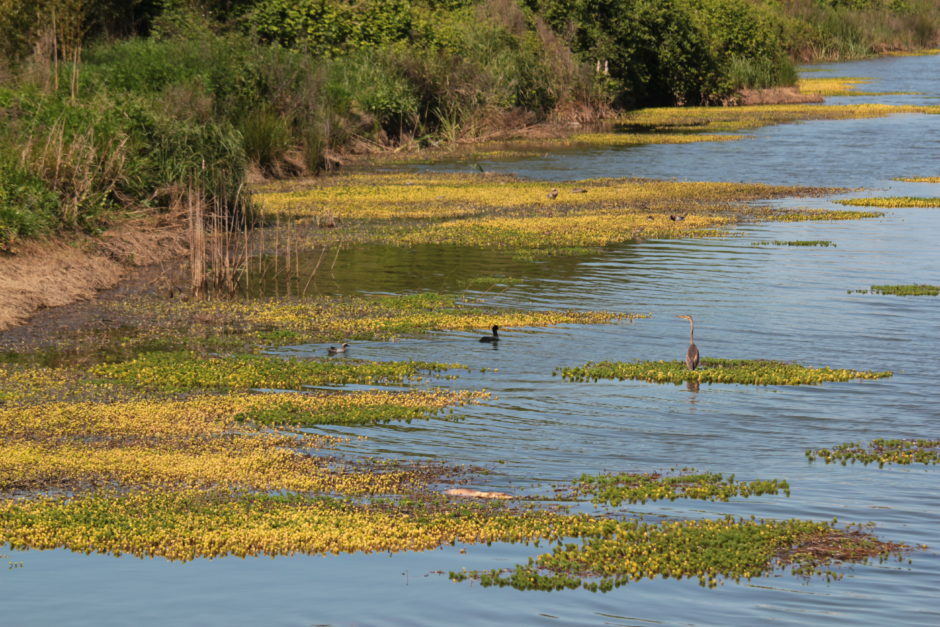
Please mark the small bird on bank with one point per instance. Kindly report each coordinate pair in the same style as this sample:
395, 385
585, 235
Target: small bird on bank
691, 355
552, 195
579, 190
491, 338
676, 218
335, 351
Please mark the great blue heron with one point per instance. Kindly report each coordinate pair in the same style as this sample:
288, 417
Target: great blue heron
491, 338
334, 351
691, 355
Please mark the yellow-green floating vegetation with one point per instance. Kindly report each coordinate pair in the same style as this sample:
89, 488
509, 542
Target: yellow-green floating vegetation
681, 125
187, 371
918, 179
189, 524
724, 119
614, 489
634, 139
360, 408
329, 319
197, 443
881, 452
617, 553
491, 211
914, 289
842, 86
823, 243
711, 370
821, 215
891, 202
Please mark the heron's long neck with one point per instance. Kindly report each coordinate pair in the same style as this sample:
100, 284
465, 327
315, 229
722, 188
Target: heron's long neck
691, 332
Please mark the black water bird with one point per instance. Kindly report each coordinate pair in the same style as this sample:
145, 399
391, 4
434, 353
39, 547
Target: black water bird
335, 351
691, 355
491, 338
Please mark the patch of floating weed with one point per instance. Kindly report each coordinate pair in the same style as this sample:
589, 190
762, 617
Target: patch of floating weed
187, 371
705, 119
820, 215
881, 452
199, 419
912, 53
901, 290
21, 384
892, 202
614, 489
196, 443
363, 408
637, 139
332, 319
843, 86
919, 179
507, 212
617, 553
186, 525
823, 243
744, 371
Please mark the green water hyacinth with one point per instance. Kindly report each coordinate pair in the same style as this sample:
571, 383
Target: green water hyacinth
814, 242
186, 371
904, 290
893, 202
881, 452
614, 489
619, 552
745, 371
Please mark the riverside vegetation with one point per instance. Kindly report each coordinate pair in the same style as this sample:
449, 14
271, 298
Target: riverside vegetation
175, 432
112, 111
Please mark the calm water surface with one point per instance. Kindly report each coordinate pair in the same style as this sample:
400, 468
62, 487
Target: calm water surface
750, 302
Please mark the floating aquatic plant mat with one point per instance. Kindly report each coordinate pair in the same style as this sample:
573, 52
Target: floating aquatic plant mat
822, 243
890, 202
746, 371
507, 212
208, 442
148, 324
674, 125
881, 452
724, 119
902, 290
189, 524
616, 553
614, 489
918, 179
843, 86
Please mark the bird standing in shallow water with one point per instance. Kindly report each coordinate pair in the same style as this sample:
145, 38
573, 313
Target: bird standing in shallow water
691, 355
491, 338
334, 351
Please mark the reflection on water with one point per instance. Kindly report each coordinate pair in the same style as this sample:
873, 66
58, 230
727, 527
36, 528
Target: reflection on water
748, 302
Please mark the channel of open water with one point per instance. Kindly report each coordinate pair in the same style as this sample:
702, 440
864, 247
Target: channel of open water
787, 303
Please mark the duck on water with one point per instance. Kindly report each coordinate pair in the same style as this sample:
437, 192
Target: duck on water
491, 338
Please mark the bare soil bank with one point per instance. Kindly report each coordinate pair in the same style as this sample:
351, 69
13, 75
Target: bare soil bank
56, 272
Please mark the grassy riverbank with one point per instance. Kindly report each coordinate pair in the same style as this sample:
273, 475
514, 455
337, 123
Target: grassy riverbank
111, 114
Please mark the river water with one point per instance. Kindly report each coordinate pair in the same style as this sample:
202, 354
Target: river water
787, 303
